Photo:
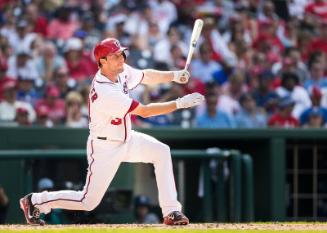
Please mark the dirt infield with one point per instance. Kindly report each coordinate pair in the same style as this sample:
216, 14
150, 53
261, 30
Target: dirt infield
221, 226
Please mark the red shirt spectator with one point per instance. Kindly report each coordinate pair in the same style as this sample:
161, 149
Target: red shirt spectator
317, 8
55, 105
79, 64
62, 27
284, 118
39, 22
278, 120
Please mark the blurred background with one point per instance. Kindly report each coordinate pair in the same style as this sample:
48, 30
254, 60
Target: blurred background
260, 64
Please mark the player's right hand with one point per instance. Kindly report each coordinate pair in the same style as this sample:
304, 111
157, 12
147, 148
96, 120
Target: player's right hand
190, 100
181, 76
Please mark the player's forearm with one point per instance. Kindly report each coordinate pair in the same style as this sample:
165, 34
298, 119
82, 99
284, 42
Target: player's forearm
155, 109
155, 76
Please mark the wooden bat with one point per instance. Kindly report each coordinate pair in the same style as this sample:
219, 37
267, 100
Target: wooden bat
198, 24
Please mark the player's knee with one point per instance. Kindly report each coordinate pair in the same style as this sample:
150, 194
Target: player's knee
90, 204
164, 149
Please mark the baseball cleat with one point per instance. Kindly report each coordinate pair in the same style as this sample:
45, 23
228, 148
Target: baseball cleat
32, 214
176, 218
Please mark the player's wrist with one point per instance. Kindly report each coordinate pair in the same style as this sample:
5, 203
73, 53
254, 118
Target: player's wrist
179, 103
175, 76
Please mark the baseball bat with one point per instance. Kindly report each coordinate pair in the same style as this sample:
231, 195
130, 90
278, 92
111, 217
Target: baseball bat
198, 24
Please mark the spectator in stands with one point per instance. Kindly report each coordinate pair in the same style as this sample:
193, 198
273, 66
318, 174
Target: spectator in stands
22, 38
316, 119
204, 67
26, 91
291, 62
320, 43
224, 102
53, 102
317, 77
165, 12
235, 87
250, 116
9, 105
88, 32
80, 65
290, 87
62, 27
64, 83
142, 211
42, 117
213, 118
4, 53
35, 18
316, 96
219, 50
161, 51
317, 10
264, 96
4, 204
283, 118
74, 117
49, 61
22, 65
21, 118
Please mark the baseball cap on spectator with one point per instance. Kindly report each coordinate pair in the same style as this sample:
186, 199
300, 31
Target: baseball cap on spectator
73, 44
316, 111
53, 91
315, 92
80, 34
21, 110
10, 84
42, 111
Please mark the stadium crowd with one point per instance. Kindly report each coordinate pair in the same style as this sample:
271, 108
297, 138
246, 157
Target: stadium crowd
259, 63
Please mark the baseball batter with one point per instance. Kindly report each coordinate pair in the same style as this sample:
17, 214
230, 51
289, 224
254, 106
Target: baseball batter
112, 141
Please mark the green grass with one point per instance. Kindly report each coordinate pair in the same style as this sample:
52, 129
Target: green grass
149, 230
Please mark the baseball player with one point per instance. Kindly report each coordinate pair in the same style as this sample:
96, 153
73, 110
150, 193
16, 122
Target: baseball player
112, 141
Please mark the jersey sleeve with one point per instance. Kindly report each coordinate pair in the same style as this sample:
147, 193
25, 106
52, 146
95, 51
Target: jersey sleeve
115, 103
134, 76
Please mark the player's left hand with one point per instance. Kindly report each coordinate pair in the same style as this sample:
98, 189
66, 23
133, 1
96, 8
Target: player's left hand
181, 76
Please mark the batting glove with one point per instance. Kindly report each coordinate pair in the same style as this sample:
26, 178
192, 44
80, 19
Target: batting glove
181, 76
189, 100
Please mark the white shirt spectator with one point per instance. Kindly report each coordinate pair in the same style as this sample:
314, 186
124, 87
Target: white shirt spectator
225, 104
299, 95
28, 69
296, 8
204, 71
164, 12
161, 51
8, 111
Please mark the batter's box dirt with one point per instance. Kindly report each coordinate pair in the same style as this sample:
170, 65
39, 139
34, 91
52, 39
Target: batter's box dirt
230, 226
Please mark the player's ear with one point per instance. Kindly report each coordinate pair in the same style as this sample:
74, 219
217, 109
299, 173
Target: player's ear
100, 63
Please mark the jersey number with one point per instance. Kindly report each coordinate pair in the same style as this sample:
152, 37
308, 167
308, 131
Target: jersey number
116, 121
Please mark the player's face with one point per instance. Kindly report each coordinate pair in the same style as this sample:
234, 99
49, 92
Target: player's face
115, 62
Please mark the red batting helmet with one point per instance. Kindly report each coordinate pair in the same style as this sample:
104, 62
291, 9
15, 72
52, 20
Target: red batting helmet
106, 47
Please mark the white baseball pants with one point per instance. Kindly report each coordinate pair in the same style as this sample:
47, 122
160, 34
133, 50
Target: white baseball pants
104, 158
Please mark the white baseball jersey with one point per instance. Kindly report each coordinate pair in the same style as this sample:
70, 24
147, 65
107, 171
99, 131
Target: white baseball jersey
110, 104
110, 128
